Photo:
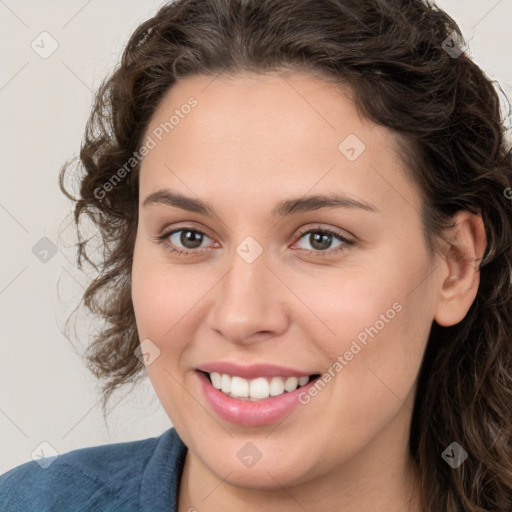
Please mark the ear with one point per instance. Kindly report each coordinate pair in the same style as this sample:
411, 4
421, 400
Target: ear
460, 273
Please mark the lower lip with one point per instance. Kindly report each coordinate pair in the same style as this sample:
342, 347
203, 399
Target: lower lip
252, 413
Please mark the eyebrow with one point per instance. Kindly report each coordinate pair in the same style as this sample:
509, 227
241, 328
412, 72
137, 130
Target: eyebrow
282, 209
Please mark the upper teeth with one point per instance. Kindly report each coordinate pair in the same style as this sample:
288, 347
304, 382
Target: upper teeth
255, 389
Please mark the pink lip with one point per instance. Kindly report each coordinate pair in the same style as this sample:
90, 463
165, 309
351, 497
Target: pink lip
252, 371
252, 414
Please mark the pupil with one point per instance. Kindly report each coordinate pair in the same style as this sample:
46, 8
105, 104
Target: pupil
321, 237
195, 239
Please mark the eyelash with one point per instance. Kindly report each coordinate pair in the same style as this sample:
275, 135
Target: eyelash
163, 239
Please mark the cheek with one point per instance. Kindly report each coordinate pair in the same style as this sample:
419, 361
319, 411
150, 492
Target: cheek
152, 307
157, 294
379, 321
165, 301
158, 308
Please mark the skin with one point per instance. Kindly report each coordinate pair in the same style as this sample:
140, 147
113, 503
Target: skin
252, 141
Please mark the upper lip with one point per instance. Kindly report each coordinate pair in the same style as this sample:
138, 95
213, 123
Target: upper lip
252, 371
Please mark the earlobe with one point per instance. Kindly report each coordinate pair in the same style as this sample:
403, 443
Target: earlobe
460, 276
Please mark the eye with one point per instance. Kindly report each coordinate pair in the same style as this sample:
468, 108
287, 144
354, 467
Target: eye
321, 240
188, 237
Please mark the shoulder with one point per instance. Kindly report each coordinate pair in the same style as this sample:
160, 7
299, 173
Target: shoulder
89, 478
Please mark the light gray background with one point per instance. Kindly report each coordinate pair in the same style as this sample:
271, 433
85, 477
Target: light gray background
46, 393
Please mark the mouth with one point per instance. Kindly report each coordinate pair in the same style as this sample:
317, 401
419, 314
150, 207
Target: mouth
266, 401
258, 388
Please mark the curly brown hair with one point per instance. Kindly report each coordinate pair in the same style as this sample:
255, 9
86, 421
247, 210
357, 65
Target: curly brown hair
404, 62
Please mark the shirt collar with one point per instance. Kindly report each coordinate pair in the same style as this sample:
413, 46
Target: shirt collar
161, 478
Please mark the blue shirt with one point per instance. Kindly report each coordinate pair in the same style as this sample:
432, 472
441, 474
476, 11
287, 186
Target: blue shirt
140, 476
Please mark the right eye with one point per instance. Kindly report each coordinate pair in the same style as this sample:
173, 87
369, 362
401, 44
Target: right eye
185, 236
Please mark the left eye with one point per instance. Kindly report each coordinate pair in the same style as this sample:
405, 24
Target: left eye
321, 239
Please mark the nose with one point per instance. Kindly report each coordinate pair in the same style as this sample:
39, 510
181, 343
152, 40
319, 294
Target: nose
251, 302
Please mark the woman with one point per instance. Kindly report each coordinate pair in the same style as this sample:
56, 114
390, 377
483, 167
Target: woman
368, 371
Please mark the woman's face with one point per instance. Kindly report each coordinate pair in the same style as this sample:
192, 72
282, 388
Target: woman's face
267, 281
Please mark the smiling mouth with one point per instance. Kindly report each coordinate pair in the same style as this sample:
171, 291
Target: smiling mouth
260, 388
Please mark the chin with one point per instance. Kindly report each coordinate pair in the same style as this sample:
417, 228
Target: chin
266, 474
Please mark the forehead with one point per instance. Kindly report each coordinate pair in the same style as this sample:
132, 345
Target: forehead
264, 132
276, 111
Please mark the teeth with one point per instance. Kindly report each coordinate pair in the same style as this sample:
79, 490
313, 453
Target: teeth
225, 383
240, 387
291, 384
255, 389
216, 380
258, 388
276, 386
